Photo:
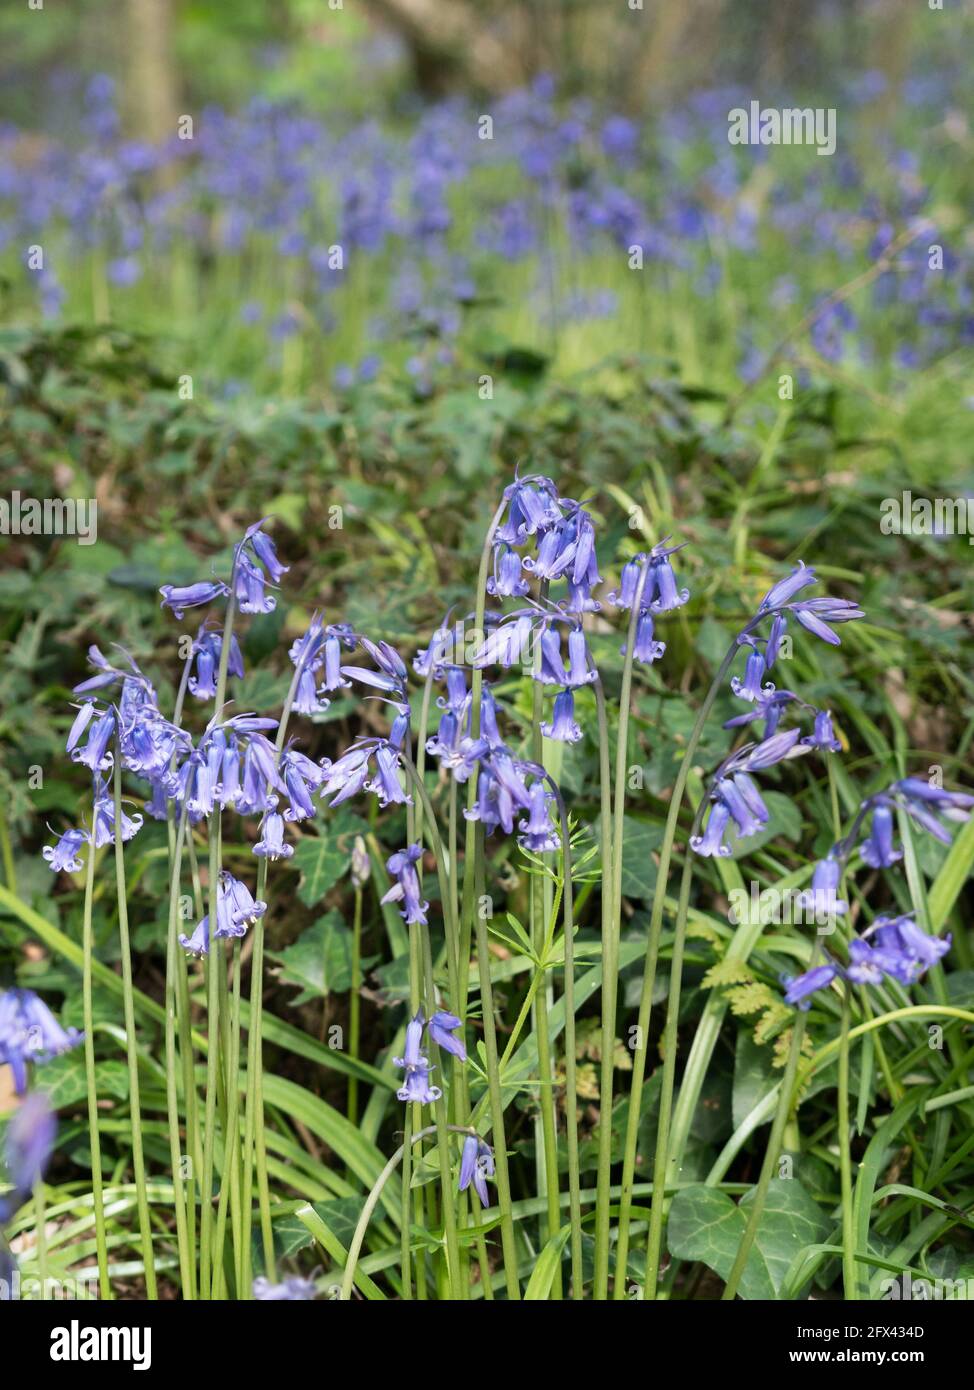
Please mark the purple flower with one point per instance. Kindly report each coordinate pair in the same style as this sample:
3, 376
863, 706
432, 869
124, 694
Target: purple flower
823, 736
291, 1290
30, 1139
645, 649
199, 943
476, 1166
750, 688
29, 1032
249, 586
786, 588
95, 754
821, 899
668, 593
563, 728
272, 844
441, 1027
538, 834
800, 989
925, 803
406, 889
711, 842
625, 595
179, 597
63, 857
878, 850
904, 950
506, 581
815, 614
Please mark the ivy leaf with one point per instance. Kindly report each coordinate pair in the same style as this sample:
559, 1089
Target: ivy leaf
63, 1079
706, 1226
321, 860
320, 961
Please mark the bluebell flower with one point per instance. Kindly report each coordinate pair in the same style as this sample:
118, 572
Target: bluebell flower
177, 598
441, 1027
904, 950
785, 589
301, 778
294, 1289
494, 807
272, 844
237, 908
823, 736
206, 650
347, 775
29, 1032
815, 614
457, 696
538, 833
563, 727
391, 675
878, 850
925, 803
416, 1085
751, 688
769, 705
63, 857
95, 754
822, 898
625, 595
476, 1166
667, 593
265, 551
455, 753
507, 645
711, 842
249, 586
532, 506
386, 784
406, 889
510, 776
199, 943
103, 819
776, 633
800, 989
646, 649
81, 721
506, 581
29, 1143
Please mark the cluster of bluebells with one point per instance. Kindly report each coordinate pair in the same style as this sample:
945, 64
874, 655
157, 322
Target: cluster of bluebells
440, 1029
232, 765
29, 1033
894, 947
550, 539
272, 179
735, 798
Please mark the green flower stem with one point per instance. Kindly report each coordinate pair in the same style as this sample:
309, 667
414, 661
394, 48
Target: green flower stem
496, 1106
213, 967
231, 1151
571, 1090
187, 1267
457, 1287
255, 1151
372, 1201
131, 1048
649, 968
547, 1150
611, 930
355, 1002
850, 1274
88, 946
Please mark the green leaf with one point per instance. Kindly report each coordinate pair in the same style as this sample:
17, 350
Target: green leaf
321, 859
706, 1226
63, 1079
543, 1274
320, 961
